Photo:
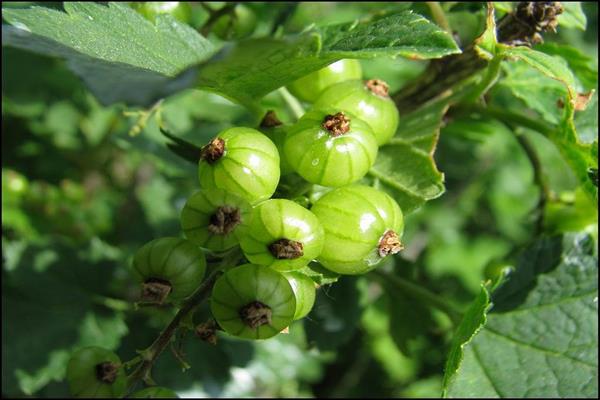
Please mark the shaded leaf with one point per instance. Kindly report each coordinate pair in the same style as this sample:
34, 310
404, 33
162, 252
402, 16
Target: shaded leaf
572, 16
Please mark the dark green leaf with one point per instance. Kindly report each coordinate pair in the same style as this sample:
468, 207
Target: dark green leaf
541, 335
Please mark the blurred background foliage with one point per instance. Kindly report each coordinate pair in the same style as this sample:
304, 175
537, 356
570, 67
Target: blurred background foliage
80, 195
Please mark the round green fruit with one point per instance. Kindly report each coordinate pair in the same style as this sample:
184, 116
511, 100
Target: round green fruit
180, 10
282, 235
330, 148
305, 292
95, 372
362, 226
155, 392
237, 25
169, 268
241, 161
309, 87
277, 132
369, 101
214, 218
253, 302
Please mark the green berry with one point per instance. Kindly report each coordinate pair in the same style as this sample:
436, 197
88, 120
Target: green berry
155, 392
282, 235
330, 148
362, 226
169, 268
237, 25
277, 132
213, 218
95, 372
367, 100
253, 302
309, 87
243, 162
305, 292
151, 9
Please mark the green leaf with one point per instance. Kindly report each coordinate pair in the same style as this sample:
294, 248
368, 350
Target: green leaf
539, 92
256, 67
118, 53
553, 67
572, 16
580, 156
586, 121
319, 274
541, 335
582, 66
405, 167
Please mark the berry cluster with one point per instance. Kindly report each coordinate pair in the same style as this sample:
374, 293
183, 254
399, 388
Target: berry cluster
348, 230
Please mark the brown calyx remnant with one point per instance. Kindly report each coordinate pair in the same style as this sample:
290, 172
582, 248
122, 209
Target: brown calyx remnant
207, 331
389, 244
378, 87
523, 26
107, 372
256, 314
224, 220
270, 120
286, 249
213, 151
155, 290
337, 124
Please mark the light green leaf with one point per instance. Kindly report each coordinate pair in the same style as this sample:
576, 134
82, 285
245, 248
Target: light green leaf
541, 335
116, 51
405, 167
581, 65
553, 67
254, 68
320, 275
572, 16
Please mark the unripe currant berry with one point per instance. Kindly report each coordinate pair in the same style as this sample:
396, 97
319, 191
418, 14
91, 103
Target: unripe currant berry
155, 392
305, 292
170, 268
180, 10
241, 161
95, 372
236, 25
213, 218
282, 235
277, 132
330, 148
253, 302
369, 101
309, 87
362, 226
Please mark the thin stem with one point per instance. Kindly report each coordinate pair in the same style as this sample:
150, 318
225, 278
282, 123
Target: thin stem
215, 15
538, 178
150, 355
489, 79
292, 103
513, 118
439, 16
420, 293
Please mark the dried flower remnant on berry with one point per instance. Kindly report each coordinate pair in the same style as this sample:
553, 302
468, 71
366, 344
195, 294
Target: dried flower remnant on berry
224, 220
155, 290
378, 87
213, 151
270, 120
337, 124
256, 314
285, 249
107, 372
389, 244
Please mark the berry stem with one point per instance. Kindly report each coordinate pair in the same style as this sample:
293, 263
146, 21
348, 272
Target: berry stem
150, 355
418, 292
292, 103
